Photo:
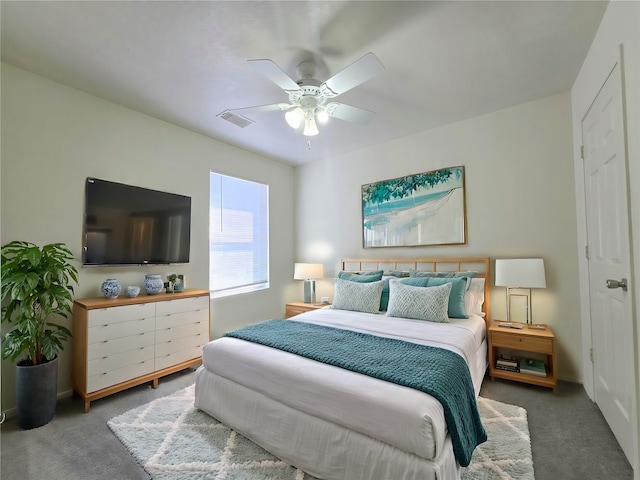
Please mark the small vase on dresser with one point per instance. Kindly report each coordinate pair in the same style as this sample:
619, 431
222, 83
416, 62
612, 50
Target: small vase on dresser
153, 284
110, 288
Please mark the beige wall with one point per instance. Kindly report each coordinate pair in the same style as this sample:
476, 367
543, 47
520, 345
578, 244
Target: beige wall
520, 203
54, 136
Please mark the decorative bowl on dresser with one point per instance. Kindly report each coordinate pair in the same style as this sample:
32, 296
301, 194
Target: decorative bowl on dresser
123, 342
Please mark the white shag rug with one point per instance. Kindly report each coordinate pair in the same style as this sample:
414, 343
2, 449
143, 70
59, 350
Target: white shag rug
174, 441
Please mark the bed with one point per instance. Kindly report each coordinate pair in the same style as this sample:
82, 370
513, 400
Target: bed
335, 423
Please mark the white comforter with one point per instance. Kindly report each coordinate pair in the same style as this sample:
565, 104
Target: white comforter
400, 416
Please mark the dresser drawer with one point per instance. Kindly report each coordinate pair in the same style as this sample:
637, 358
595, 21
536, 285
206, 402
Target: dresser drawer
182, 305
176, 345
123, 313
119, 345
111, 331
189, 330
113, 377
518, 342
180, 356
177, 320
118, 360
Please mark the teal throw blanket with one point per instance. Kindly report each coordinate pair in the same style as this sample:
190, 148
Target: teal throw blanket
441, 373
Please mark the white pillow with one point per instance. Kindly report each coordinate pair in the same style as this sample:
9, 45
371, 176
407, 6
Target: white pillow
357, 296
474, 297
420, 303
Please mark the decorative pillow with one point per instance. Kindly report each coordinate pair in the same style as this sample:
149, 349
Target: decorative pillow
421, 303
474, 297
469, 274
397, 273
456, 308
357, 296
384, 299
361, 277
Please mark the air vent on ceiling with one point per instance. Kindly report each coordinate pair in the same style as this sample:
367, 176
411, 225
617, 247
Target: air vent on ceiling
235, 119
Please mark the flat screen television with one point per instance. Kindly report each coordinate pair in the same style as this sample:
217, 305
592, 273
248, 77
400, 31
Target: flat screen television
128, 225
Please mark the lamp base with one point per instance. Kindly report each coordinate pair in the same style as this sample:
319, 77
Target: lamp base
537, 326
309, 291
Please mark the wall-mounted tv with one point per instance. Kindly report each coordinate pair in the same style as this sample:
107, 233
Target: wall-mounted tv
128, 225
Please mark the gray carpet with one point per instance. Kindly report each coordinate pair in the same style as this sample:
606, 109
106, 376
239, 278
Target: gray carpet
172, 440
569, 437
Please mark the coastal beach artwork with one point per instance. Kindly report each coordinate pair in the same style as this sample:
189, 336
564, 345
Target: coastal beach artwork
422, 209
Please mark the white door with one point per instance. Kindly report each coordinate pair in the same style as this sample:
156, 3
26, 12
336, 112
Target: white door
605, 166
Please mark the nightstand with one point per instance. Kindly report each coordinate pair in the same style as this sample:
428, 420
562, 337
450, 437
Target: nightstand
296, 308
521, 342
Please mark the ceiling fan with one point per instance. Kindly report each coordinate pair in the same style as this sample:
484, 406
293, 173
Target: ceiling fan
309, 98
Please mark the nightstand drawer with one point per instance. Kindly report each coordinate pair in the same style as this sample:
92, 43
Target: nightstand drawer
296, 308
520, 342
292, 311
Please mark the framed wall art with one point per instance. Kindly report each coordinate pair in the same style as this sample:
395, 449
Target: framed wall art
422, 209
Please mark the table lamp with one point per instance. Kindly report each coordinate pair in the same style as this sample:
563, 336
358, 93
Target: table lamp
308, 272
521, 273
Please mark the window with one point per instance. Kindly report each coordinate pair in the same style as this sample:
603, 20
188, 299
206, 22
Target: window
238, 236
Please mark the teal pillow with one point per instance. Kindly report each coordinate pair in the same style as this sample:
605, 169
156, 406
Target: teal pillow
360, 277
397, 273
469, 274
456, 297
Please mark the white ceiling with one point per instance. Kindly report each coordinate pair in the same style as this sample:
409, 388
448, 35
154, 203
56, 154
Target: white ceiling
185, 62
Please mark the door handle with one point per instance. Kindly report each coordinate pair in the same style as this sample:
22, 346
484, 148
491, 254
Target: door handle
617, 284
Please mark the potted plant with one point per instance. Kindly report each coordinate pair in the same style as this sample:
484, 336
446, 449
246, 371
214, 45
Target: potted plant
36, 287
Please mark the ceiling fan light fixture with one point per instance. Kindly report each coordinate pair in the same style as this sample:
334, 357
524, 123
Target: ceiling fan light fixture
294, 117
322, 115
310, 127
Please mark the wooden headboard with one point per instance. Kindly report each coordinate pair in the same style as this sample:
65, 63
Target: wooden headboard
480, 264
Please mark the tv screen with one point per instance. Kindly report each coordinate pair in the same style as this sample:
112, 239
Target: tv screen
127, 225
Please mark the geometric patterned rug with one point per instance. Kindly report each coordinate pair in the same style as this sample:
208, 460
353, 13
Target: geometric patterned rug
172, 440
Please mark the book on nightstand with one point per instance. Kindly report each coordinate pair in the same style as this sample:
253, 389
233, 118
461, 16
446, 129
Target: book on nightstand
533, 367
507, 364
507, 369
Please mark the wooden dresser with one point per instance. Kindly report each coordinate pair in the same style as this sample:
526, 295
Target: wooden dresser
123, 342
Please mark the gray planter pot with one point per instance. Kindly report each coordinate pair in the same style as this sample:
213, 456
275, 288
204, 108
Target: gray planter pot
36, 393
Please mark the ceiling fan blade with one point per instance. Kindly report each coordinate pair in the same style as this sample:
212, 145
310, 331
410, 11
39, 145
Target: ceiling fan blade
349, 113
274, 73
260, 108
358, 72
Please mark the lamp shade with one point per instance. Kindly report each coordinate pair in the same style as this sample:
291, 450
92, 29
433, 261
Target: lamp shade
305, 271
520, 273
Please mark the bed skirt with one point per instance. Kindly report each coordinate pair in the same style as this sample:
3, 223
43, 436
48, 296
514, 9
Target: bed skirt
322, 449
